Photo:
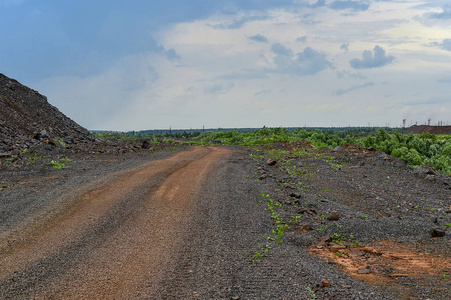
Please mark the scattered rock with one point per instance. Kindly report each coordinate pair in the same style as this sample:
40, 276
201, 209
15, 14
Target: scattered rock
236, 298
338, 149
41, 135
69, 140
305, 227
271, 162
437, 232
325, 283
334, 216
430, 177
295, 195
426, 170
365, 271
288, 202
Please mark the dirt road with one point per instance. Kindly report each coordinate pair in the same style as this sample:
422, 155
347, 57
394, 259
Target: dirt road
112, 242
181, 226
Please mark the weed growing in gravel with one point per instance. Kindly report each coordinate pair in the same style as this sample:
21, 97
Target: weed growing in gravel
279, 226
33, 158
338, 238
311, 293
294, 219
57, 164
261, 252
448, 225
279, 229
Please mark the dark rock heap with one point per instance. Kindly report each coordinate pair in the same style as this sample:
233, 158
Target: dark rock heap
27, 119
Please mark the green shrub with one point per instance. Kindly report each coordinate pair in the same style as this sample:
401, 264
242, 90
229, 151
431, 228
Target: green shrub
409, 156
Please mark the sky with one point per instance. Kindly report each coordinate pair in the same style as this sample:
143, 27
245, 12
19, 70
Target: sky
137, 65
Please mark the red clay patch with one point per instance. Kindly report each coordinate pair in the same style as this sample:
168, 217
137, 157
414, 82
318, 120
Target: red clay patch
384, 262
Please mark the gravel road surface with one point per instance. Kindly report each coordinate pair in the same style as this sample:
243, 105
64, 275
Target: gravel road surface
181, 226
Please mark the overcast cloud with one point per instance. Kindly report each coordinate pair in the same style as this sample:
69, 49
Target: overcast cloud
116, 66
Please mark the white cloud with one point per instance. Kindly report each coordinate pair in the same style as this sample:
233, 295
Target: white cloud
368, 61
307, 62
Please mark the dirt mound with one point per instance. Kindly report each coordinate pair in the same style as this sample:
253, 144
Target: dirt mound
27, 119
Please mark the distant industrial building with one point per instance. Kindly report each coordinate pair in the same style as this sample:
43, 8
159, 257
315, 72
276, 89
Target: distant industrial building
417, 129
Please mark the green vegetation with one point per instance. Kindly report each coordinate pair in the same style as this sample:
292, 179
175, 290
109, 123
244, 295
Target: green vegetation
338, 238
415, 150
57, 164
311, 293
280, 226
261, 252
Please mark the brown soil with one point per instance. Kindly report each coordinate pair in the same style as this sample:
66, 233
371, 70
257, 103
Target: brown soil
384, 263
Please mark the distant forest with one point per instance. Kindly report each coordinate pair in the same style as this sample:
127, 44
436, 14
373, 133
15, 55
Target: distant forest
342, 132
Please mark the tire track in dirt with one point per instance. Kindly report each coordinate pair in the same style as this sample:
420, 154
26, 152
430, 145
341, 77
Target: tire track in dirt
114, 241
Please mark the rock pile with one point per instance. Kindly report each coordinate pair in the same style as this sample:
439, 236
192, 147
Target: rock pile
27, 119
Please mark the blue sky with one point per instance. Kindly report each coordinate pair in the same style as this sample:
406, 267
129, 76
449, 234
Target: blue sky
117, 65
